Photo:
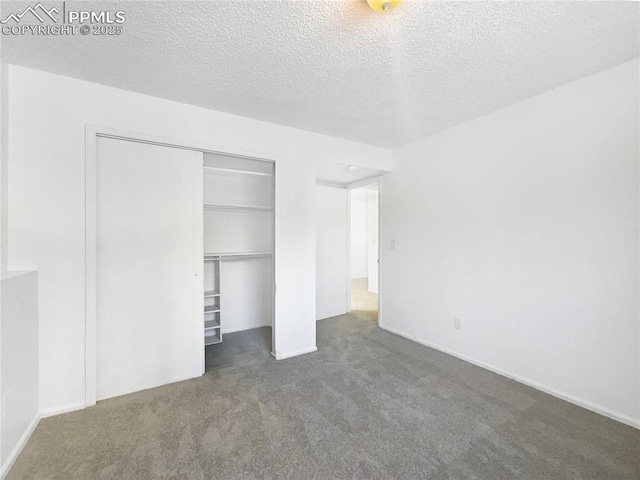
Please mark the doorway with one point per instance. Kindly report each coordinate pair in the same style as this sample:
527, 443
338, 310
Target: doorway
364, 252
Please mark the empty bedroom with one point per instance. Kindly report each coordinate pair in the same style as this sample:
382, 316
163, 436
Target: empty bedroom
328, 239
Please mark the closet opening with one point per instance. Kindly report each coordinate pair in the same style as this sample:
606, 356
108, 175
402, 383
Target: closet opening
363, 249
238, 259
180, 261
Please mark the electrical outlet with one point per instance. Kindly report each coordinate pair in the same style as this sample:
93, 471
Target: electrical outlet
457, 324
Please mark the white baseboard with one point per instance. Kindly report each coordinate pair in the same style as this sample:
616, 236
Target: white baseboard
72, 407
19, 446
242, 329
283, 356
332, 316
29, 431
627, 420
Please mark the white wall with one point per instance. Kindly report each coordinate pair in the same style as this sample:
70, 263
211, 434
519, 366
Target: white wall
372, 238
524, 224
358, 232
4, 164
48, 115
331, 252
19, 349
3, 209
246, 288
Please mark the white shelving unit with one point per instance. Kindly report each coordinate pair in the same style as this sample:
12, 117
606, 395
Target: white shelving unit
211, 314
238, 228
212, 336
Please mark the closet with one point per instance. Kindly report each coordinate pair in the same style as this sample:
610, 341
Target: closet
184, 243
238, 245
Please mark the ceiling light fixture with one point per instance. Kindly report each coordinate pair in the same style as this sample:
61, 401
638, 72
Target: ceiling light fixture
351, 168
383, 6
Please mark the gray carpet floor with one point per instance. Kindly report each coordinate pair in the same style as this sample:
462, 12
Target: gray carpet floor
367, 405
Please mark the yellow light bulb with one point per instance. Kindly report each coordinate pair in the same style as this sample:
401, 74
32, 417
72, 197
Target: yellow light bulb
383, 5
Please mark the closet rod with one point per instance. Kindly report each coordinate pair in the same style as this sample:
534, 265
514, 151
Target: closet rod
235, 256
265, 208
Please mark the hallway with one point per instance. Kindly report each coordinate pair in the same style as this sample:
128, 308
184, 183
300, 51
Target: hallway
364, 304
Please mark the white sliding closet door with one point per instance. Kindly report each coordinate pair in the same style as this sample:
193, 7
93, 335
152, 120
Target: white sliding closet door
149, 266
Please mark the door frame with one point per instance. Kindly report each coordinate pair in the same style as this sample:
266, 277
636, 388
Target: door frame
92, 132
352, 186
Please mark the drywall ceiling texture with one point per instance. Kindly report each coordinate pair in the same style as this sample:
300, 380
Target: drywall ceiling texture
336, 67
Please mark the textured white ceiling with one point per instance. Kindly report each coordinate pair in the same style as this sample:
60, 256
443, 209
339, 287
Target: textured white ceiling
337, 67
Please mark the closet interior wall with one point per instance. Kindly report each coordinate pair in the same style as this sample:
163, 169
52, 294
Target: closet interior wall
238, 245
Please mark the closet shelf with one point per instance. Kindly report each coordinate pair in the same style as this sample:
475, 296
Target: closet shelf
211, 294
235, 170
211, 309
259, 208
211, 325
212, 339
